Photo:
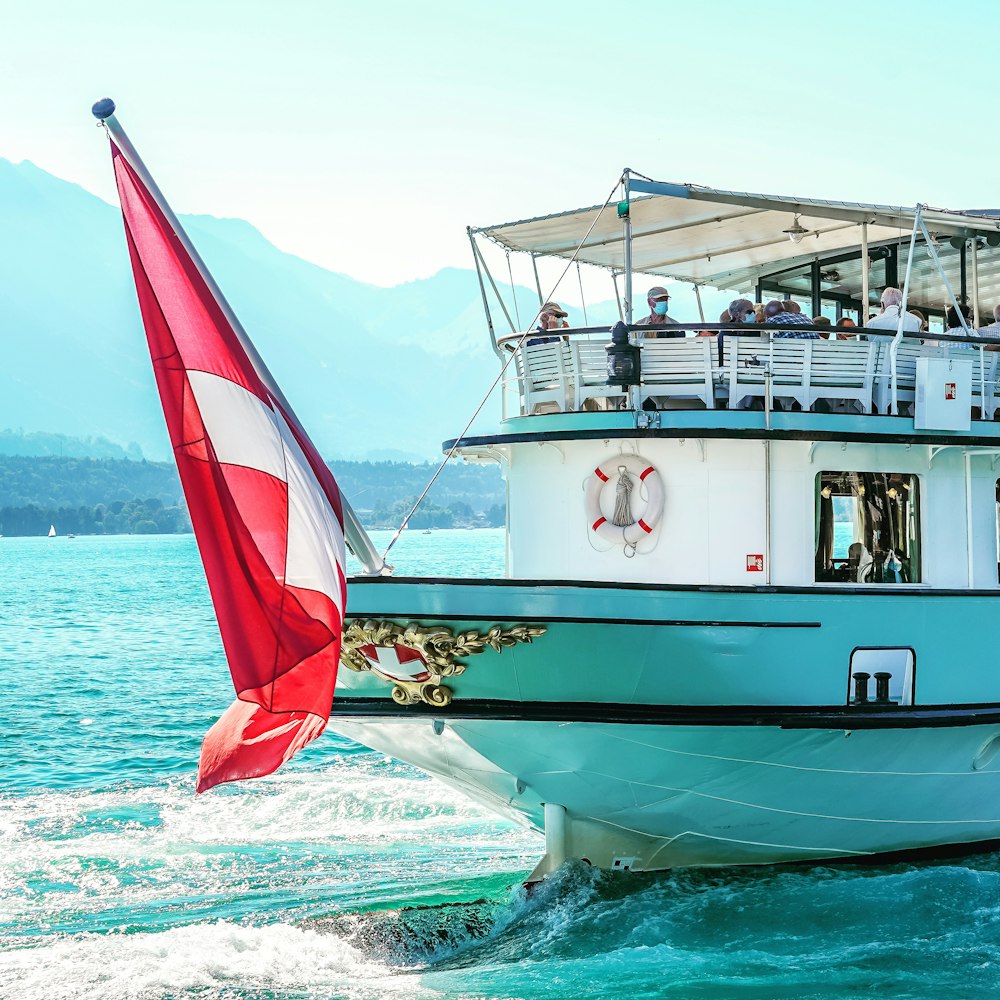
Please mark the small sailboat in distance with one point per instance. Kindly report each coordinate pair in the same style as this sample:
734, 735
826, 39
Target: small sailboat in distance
52, 531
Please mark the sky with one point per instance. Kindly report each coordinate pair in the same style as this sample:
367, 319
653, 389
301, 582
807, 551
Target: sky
366, 136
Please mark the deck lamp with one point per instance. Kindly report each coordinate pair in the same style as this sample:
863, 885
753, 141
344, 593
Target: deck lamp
624, 364
796, 230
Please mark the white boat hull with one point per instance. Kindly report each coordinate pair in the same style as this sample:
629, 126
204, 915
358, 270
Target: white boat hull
652, 797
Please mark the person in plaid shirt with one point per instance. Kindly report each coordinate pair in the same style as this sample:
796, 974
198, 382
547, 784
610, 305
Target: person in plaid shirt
799, 327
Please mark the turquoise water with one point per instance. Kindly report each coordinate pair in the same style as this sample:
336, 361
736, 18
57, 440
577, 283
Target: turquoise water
328, 879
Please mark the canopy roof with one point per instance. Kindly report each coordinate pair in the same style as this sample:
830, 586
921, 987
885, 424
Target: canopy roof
732, 239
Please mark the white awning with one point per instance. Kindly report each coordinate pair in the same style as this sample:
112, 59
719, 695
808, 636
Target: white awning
730, 239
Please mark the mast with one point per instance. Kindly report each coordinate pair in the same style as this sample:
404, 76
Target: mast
354, 533
625, 212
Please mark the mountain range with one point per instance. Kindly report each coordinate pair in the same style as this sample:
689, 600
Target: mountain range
373, 373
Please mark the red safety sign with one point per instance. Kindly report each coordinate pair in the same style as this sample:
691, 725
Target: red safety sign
950, 392
755, 563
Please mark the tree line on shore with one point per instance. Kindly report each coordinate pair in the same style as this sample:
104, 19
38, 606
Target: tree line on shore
118, 496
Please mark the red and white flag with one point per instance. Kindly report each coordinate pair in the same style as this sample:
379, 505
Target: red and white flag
266, 510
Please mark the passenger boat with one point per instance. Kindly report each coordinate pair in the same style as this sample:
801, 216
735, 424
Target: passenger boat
784, 656
747, 609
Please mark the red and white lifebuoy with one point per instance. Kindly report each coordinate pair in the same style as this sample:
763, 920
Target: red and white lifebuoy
642, 472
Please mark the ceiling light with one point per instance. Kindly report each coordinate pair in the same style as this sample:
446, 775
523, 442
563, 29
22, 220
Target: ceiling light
796, 231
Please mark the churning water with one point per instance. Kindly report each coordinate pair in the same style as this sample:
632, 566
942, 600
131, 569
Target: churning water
350, 875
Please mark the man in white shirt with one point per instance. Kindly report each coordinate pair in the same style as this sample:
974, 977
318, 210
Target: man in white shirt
991, 332
888, 319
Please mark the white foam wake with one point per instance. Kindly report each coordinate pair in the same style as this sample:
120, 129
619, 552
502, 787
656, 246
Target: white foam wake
203, 960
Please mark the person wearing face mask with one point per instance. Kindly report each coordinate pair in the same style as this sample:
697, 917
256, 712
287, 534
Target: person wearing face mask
740, 311
659, 301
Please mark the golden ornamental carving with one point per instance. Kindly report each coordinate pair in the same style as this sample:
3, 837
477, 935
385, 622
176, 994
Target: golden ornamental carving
415, 658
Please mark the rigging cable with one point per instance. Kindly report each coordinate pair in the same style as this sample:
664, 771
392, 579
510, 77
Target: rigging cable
583, 300
513, 291
503, 371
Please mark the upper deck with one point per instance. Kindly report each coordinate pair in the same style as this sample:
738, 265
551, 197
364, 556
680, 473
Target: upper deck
833, 258
753, 384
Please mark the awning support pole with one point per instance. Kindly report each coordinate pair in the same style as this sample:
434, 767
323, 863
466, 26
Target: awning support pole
628, 249
932, 250
894, 346
975, 282
865, 276
355, 535
697, 295
496, 291
482, 290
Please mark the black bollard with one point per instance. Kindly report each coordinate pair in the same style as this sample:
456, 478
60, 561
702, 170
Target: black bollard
860, 687
882, 685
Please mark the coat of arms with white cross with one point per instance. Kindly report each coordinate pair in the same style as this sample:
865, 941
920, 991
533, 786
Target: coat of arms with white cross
415, 658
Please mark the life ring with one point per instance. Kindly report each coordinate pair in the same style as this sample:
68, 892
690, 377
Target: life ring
631, 534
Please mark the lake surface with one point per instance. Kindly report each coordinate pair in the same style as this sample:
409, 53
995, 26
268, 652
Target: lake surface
116, 881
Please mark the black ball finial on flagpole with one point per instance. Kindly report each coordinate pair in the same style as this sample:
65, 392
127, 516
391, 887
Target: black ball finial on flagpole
104, 108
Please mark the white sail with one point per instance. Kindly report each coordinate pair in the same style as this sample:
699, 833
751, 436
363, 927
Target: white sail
52, 531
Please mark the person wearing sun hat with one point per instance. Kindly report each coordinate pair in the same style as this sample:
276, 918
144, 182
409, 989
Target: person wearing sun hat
659, 298
552, 316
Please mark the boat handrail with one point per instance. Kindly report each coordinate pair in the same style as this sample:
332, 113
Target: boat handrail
511, 340
566, 370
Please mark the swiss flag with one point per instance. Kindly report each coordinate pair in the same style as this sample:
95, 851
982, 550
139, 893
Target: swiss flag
266, 511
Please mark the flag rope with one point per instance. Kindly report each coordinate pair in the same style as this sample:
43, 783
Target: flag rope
503, 371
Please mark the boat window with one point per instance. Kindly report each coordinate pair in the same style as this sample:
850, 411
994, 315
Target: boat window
868, 527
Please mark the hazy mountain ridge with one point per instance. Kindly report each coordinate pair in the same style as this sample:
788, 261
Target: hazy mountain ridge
114, 496
366, 368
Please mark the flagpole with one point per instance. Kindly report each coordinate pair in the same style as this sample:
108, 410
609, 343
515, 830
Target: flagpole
355, 535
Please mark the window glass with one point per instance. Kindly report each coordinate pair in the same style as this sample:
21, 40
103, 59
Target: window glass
868, 527
881, 674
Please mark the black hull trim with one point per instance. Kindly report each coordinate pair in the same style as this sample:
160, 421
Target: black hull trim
841, 590
564, 619
783, 717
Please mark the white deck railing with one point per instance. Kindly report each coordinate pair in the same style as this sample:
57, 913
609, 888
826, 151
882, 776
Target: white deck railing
570, 374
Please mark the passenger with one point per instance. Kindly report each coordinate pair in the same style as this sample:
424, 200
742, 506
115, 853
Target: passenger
992, 331
758, 314
888, 319
659, 302
846, 321
822, 325
799, 328
739, 311
791, 306
742, 311
552, 317
954, 328
953, 321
